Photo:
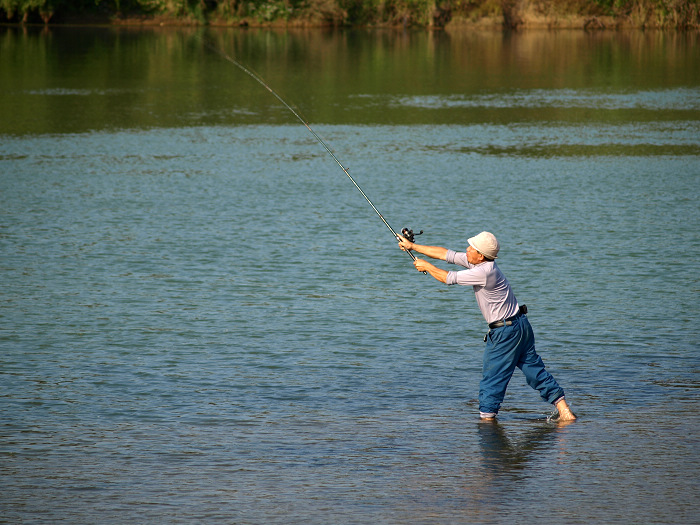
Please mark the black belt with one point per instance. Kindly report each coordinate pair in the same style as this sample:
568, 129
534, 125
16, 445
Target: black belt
509, 321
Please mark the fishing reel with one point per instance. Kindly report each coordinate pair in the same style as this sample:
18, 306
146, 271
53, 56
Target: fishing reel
408, 234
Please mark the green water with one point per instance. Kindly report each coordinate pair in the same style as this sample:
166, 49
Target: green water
71, 80
202, 320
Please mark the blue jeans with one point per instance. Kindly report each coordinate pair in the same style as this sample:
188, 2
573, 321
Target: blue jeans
506, 348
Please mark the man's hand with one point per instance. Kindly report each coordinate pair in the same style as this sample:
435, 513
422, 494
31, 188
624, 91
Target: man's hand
404, 243
425, 266
422, 266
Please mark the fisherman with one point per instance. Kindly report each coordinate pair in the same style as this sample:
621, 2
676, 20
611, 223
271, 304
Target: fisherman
510, 341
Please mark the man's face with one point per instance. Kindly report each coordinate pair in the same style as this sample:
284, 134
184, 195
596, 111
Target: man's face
473, 256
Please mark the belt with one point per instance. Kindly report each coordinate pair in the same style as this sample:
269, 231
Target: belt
509, 320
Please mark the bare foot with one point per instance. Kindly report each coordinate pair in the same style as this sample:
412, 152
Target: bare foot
565, 413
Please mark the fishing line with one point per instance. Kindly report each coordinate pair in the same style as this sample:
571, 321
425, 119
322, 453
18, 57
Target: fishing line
405, 232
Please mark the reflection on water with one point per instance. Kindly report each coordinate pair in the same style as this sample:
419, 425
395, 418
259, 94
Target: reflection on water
509, 454
86, 79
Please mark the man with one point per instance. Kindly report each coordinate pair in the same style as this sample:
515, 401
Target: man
510, 341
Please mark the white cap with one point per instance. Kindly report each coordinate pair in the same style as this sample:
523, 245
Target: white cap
486, 244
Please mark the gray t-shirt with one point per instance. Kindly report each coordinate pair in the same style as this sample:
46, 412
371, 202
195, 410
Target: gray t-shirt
494, 296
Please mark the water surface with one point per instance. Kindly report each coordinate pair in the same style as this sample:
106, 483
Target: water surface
203, 321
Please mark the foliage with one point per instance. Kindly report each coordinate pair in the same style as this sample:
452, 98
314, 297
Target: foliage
642, 13
25, 8
656, 13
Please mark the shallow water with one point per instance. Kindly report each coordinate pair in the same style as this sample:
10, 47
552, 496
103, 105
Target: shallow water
203, 321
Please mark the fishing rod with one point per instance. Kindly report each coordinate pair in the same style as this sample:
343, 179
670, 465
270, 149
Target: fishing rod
405, 232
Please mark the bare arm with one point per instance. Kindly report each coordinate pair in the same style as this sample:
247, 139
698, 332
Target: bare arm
434, 252
425, 266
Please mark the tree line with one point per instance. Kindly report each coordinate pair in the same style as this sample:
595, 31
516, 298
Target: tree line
590, 14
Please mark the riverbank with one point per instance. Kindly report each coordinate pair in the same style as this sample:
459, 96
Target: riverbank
510, 14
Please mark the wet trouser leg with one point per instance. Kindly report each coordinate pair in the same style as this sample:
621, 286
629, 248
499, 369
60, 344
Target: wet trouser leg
506, 348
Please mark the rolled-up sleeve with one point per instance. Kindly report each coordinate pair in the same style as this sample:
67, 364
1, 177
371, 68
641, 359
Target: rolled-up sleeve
459, 258
472, 276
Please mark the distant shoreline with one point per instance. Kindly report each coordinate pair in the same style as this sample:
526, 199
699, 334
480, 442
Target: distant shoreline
592, 23
429, 14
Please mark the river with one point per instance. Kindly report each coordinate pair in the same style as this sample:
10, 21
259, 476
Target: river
202, 320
